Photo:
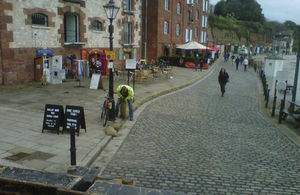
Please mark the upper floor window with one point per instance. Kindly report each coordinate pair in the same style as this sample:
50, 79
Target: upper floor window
177, 29
196, 32
197, 15
97, 26
189, 17
127, 5
203, 37
190, 1
71, 23
127, 32
204, 21
188, 35
166, 27
205, 6
178, 8
39, 19
166, 4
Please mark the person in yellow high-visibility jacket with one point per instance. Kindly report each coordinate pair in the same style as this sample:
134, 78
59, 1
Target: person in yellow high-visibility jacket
125, 92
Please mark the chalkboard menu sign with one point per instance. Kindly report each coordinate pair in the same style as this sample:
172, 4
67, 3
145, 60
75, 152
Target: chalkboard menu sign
53, 117
74, 118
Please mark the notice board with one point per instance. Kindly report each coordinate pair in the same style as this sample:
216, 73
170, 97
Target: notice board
53, 117
74, 118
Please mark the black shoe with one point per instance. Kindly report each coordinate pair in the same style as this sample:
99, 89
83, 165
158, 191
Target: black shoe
131, 119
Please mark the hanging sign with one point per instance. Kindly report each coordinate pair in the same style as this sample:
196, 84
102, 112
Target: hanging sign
130, 64
110, 55
44, 52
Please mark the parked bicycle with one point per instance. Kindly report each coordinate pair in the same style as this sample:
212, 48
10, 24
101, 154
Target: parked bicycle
106, 108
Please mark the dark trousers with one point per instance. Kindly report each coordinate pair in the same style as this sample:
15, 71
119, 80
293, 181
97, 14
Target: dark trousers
237, 65
222, 86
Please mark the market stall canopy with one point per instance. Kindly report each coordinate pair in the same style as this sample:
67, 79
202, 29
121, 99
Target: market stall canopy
214, 48
191, 45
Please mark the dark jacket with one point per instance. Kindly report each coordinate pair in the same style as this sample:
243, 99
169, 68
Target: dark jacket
223, 77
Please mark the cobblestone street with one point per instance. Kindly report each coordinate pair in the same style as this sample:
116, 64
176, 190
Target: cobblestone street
194, 141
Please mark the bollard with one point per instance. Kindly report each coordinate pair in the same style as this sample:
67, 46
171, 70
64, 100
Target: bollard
73, 147
281, 111
274, 100
267, 98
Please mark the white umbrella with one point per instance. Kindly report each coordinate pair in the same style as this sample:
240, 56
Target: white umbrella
192, 45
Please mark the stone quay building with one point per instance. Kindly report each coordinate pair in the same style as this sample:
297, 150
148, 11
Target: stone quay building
169, 23
32, 31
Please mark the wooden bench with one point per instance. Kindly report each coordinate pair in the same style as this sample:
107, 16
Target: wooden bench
295, 114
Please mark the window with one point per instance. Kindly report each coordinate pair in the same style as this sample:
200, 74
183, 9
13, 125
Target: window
197, 15
203, 37
196, 32
190, 2
188, 35
97, 26
127, 33
178, 8
127, 5
166, 4
204, 21
71, 22
205, 5
166, 27
39, 19
177, 29
189, 17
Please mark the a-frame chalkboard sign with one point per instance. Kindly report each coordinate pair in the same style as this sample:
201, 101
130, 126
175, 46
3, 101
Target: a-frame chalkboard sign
74, 118
53, 117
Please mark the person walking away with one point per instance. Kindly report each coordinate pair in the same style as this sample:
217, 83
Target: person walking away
223, 79
232, 59
245, 64
201, 63
196, 62
125, 92
237, 61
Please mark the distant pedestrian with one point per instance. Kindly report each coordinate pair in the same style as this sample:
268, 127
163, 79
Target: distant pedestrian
201, 63
237, 61
245, 63
196, 62
223, 79
232, 59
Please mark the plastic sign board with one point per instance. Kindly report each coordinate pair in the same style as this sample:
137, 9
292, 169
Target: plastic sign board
110, 55
95, 81
130, 64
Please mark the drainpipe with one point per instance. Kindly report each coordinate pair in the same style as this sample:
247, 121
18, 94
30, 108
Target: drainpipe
146, 24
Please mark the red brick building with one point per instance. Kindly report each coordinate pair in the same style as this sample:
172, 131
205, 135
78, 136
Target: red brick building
167, 23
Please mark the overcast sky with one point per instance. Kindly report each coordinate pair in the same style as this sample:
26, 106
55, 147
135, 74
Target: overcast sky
278, 10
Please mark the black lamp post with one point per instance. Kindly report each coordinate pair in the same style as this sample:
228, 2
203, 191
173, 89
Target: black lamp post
111, 11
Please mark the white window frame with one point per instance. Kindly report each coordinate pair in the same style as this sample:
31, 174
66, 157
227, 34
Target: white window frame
177, 29
203, 37
204, 21
128, 35
166, 4
178, 8
127, 5
166, 27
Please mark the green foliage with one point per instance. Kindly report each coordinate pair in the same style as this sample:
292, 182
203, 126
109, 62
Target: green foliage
246, 10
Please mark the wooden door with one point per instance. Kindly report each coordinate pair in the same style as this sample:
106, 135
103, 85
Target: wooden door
38, 68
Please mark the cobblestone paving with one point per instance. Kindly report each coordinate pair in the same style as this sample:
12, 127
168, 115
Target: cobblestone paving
197, 142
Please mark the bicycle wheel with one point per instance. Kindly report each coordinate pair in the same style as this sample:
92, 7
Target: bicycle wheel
105, 117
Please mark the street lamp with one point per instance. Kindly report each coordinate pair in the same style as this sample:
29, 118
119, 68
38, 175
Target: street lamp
111, 11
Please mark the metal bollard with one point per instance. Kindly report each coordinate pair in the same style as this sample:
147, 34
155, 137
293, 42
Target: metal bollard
274, 100
73, 147
267, 98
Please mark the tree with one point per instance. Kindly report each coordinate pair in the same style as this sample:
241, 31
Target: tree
246, 10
